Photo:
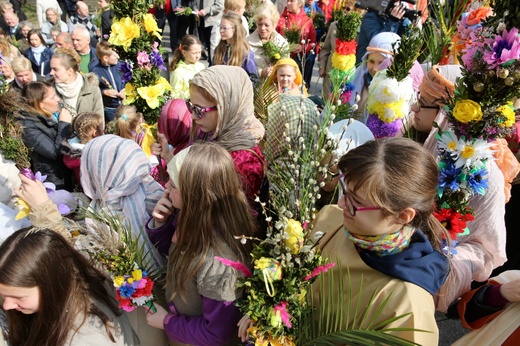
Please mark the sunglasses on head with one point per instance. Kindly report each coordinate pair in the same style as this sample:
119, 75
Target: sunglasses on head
199, 111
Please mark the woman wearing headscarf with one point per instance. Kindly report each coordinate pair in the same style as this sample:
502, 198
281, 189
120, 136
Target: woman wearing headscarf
483, 249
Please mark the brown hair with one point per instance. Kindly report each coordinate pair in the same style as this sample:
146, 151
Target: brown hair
67, 281
103, 49
238, 45
126, 121
34, 93
397, 173
186, 43
84, 122
37, 33
69, 58
213, 205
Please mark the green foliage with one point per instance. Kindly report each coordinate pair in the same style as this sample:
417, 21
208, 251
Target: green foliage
405, 56
508, 10
11, 142
348, 26
293, 34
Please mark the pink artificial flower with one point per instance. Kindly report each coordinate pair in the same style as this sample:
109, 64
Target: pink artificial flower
318, 270
502, 48
284, 315
473, 45
237, 265
155, 46
143, 59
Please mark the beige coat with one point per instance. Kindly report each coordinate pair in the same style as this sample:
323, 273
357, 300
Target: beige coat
405, 297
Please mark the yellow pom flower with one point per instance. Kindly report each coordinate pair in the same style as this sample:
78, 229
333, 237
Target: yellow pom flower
151, 94
387, 112
466, 111
150, 25
508, 113
124, 32
119, 281
343, 62
137, 274
24, 211
277, 56
130, 94
295, 240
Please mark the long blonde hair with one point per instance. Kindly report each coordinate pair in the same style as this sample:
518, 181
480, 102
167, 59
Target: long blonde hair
214, 211
237, 45
126, 121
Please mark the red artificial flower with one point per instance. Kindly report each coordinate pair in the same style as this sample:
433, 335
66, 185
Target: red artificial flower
125, 304
346, 47
453, 221
146, 291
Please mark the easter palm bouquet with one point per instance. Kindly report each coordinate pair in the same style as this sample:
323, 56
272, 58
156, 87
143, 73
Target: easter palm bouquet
136, 36
480, 112
391, 91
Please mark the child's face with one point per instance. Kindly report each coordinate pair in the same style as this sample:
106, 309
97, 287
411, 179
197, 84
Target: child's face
286, 75
227, 30
23, 299
111, 59
175, 195
192, 55
373, 62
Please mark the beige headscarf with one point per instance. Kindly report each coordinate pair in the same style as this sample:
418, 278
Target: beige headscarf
174, 166
237, 127
438, 84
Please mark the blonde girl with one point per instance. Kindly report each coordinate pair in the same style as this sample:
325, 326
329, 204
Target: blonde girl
200, 289
185, 65
127, 123
233, 48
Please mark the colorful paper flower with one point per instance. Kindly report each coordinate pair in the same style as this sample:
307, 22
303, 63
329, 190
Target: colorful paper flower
143, 59
150, 25
509, 115
504, 48
346, 47
453, 221
466, 111
295, 236
448, 177
124, 32
343, 62
130, 94
151, 94
126, 72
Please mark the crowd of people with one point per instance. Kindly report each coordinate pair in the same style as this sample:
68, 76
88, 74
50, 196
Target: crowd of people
194, 190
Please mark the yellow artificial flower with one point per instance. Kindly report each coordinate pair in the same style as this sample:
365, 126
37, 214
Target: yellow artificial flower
148, 138
277, 56
275, 318
343, 62
137, 274
130, 94
466, 111
124, 32
508, 113
130, 280
150, 25
119, 281
164, 82
151, 94
295, 240
271, 268
25, 209
387, 112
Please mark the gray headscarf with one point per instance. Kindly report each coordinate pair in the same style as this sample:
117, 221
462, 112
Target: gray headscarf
237, 127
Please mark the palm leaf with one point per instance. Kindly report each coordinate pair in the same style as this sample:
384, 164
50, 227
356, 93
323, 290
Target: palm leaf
329, 323
265, 93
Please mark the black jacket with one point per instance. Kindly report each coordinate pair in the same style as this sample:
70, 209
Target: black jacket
44, 138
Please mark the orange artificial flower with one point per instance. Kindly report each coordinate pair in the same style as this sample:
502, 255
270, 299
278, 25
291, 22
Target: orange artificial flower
479, 15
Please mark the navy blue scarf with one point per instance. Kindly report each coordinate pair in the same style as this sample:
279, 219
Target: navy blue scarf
419, 264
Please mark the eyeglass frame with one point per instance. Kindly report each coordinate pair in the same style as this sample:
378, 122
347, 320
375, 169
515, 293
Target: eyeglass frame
225, 28
420, 105
349, 203
198, 111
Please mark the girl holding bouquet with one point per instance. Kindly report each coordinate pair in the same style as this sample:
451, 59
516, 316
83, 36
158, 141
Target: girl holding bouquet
200, 289
46, 282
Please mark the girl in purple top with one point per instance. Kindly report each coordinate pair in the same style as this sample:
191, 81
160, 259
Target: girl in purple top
233, 48
200, 289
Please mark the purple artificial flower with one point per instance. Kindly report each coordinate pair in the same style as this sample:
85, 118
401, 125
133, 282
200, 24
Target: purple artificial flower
126, 72
503, 48
157, 60
28, 173
143, 59
50, 187
381, 129
64, 209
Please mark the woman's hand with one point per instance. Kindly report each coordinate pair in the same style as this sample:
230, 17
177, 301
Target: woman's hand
243, 325
397, 11
156, 319
511, 290
163, 209
65, 115
298, 48
32, 191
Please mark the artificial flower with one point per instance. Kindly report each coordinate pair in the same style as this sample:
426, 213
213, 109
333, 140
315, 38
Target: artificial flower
346, 47
448, 177
280, 315
269, 267
157, 60
448, 140
126, 71
318, 270
295, 240
381, 129
343, 62
241, 267
503, 48
137, 274
150, 25
164, 82
143, 59
130, 94
453, 221
119, 281
477, 16
124, 32
470, 152
24, 209
384, 89
151, 94
466, 111
476, 180
509, 115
